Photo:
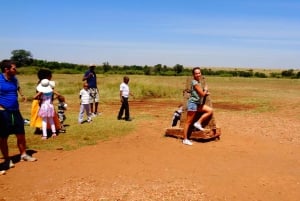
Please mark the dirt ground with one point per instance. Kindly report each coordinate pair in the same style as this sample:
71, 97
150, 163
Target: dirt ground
257, 159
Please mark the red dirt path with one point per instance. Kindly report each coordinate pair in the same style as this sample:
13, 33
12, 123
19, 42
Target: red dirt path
256, 159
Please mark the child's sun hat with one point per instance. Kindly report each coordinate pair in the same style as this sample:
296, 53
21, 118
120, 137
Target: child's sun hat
44, 86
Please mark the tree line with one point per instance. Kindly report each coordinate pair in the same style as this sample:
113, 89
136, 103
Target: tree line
24, 59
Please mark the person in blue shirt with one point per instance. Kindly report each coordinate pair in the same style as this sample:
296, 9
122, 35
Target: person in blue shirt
11, 120
91, 78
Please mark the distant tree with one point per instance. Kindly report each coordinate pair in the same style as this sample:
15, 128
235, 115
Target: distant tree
22, 57
261, 75
116, 68
275, 75
147, 70
287, 73
178, 68
106, 67
157, 68
39, 63
165, 68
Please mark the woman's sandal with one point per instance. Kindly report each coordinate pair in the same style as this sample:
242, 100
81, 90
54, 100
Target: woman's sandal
44, 138
54, 135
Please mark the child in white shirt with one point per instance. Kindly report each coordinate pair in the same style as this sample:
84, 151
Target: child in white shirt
84, 96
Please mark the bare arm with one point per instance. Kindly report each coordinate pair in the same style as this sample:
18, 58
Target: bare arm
87, 77
21, 94
121, 98
56, 93
131, 94
201, 92
37, 95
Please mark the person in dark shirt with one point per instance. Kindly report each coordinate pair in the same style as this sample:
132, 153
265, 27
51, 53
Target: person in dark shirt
91, 78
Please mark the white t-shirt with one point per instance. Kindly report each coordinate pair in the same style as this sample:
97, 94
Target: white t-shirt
85, 96
125, 90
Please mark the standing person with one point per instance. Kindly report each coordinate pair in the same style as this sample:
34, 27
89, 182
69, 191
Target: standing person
11, 120
196, 104
46, 111
91, 78
35, 120
124, 95
84, 96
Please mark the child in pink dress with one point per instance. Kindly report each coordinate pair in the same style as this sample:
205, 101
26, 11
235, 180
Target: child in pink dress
46, 111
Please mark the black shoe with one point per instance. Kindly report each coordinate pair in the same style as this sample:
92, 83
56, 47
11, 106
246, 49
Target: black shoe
119, 118
38, 131
129, 119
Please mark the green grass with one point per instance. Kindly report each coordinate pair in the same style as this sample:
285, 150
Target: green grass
267, 95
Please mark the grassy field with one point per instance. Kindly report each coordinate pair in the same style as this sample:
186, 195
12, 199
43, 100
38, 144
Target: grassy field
247, 94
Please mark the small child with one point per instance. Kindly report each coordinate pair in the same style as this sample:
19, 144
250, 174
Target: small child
46, 112
84, 96
177, 115
62, 106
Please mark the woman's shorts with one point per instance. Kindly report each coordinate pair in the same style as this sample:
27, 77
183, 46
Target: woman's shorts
192, 106
11, 122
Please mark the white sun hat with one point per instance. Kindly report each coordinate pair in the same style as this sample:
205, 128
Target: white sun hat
44, 86
52, 83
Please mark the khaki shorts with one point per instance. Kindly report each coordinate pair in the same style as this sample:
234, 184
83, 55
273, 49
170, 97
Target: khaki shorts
94, 95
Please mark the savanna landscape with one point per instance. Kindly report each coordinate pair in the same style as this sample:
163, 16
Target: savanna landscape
257, 157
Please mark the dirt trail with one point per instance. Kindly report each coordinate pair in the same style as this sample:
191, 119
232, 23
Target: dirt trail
252, 162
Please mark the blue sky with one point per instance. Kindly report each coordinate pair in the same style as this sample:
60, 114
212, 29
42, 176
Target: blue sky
209, 33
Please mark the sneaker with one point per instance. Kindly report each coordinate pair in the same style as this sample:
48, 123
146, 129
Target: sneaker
11, 164
2, 172
38, 131
8, 164
26, 122
28, 158
97, 113
198, 126
187, 142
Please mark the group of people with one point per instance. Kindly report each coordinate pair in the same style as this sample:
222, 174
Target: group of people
43, 112
89, 97
44, 116
195, 105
